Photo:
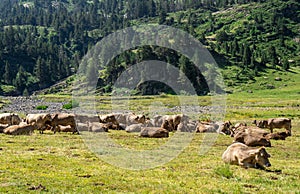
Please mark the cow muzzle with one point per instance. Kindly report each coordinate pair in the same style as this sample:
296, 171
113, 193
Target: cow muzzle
268, 164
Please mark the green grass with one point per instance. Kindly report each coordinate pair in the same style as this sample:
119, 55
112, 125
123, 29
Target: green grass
63, 164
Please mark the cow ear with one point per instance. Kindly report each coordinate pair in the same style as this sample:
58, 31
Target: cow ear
254, 152
262, 149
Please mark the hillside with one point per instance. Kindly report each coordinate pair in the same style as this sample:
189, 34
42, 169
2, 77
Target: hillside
44, 41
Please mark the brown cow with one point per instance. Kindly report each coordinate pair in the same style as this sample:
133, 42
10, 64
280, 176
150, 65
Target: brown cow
64, 128
206, 127
187, 126
134, 128
173, 120
277, 136
99, 127
236, 128
252, 137
2, 127
86, 118
10, 119
19, 129
210, 127
42, 121
64, 119
129, 118
244, 156
224, 128
275, 123
154, 132
108, 118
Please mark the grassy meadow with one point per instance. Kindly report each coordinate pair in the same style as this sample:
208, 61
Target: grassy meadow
62, 163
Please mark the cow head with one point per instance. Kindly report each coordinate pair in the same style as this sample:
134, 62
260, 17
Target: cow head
262, 124
226, 128
47, 117
15, 119
166, 125
262, 157
140, 119
263, 141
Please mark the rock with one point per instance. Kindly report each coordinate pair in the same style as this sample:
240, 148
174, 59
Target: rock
278, 79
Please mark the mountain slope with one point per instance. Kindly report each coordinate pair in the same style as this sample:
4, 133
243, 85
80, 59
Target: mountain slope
44, 41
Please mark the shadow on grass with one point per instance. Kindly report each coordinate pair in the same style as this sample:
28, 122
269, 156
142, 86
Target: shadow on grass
277, 171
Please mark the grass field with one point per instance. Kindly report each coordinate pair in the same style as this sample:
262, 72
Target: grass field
62, 163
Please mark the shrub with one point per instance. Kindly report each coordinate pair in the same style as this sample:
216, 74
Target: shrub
41, 107
71, 104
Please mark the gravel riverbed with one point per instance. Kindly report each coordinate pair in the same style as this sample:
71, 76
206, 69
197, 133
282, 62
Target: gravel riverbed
27, 105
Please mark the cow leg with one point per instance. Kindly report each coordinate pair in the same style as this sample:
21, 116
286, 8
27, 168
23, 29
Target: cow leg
54, 129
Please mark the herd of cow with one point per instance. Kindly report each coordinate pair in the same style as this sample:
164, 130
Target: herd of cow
242, 152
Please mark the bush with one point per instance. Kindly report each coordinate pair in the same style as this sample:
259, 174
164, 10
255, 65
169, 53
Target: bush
42, 107
71, 104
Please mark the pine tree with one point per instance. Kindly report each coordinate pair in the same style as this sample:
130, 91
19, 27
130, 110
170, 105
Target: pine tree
42, 73
183, 64
246, 55
285, 64
273, 56
7, 73
21, 80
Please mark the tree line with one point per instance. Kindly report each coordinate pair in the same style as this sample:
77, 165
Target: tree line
44, 41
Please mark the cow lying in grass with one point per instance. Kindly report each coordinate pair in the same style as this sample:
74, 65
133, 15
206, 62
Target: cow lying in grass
278, 136
247, 157
10, 119
21, 129
154, 132
214, 127
98, 127
252, 136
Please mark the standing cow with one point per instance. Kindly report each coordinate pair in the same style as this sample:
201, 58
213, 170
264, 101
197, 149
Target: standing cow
42, 121
275, 123
64, 119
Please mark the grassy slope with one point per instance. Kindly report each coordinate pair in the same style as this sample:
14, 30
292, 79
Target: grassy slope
63, 164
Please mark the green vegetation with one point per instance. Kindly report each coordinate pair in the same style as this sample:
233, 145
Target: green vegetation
44, 42
62, 163
224, 171
41, 107
71, 104
255, 43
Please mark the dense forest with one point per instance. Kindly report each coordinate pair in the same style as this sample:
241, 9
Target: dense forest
43, 41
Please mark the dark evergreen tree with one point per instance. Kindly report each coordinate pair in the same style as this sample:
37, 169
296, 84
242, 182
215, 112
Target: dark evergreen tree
273, 56
247, 55
8, 74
